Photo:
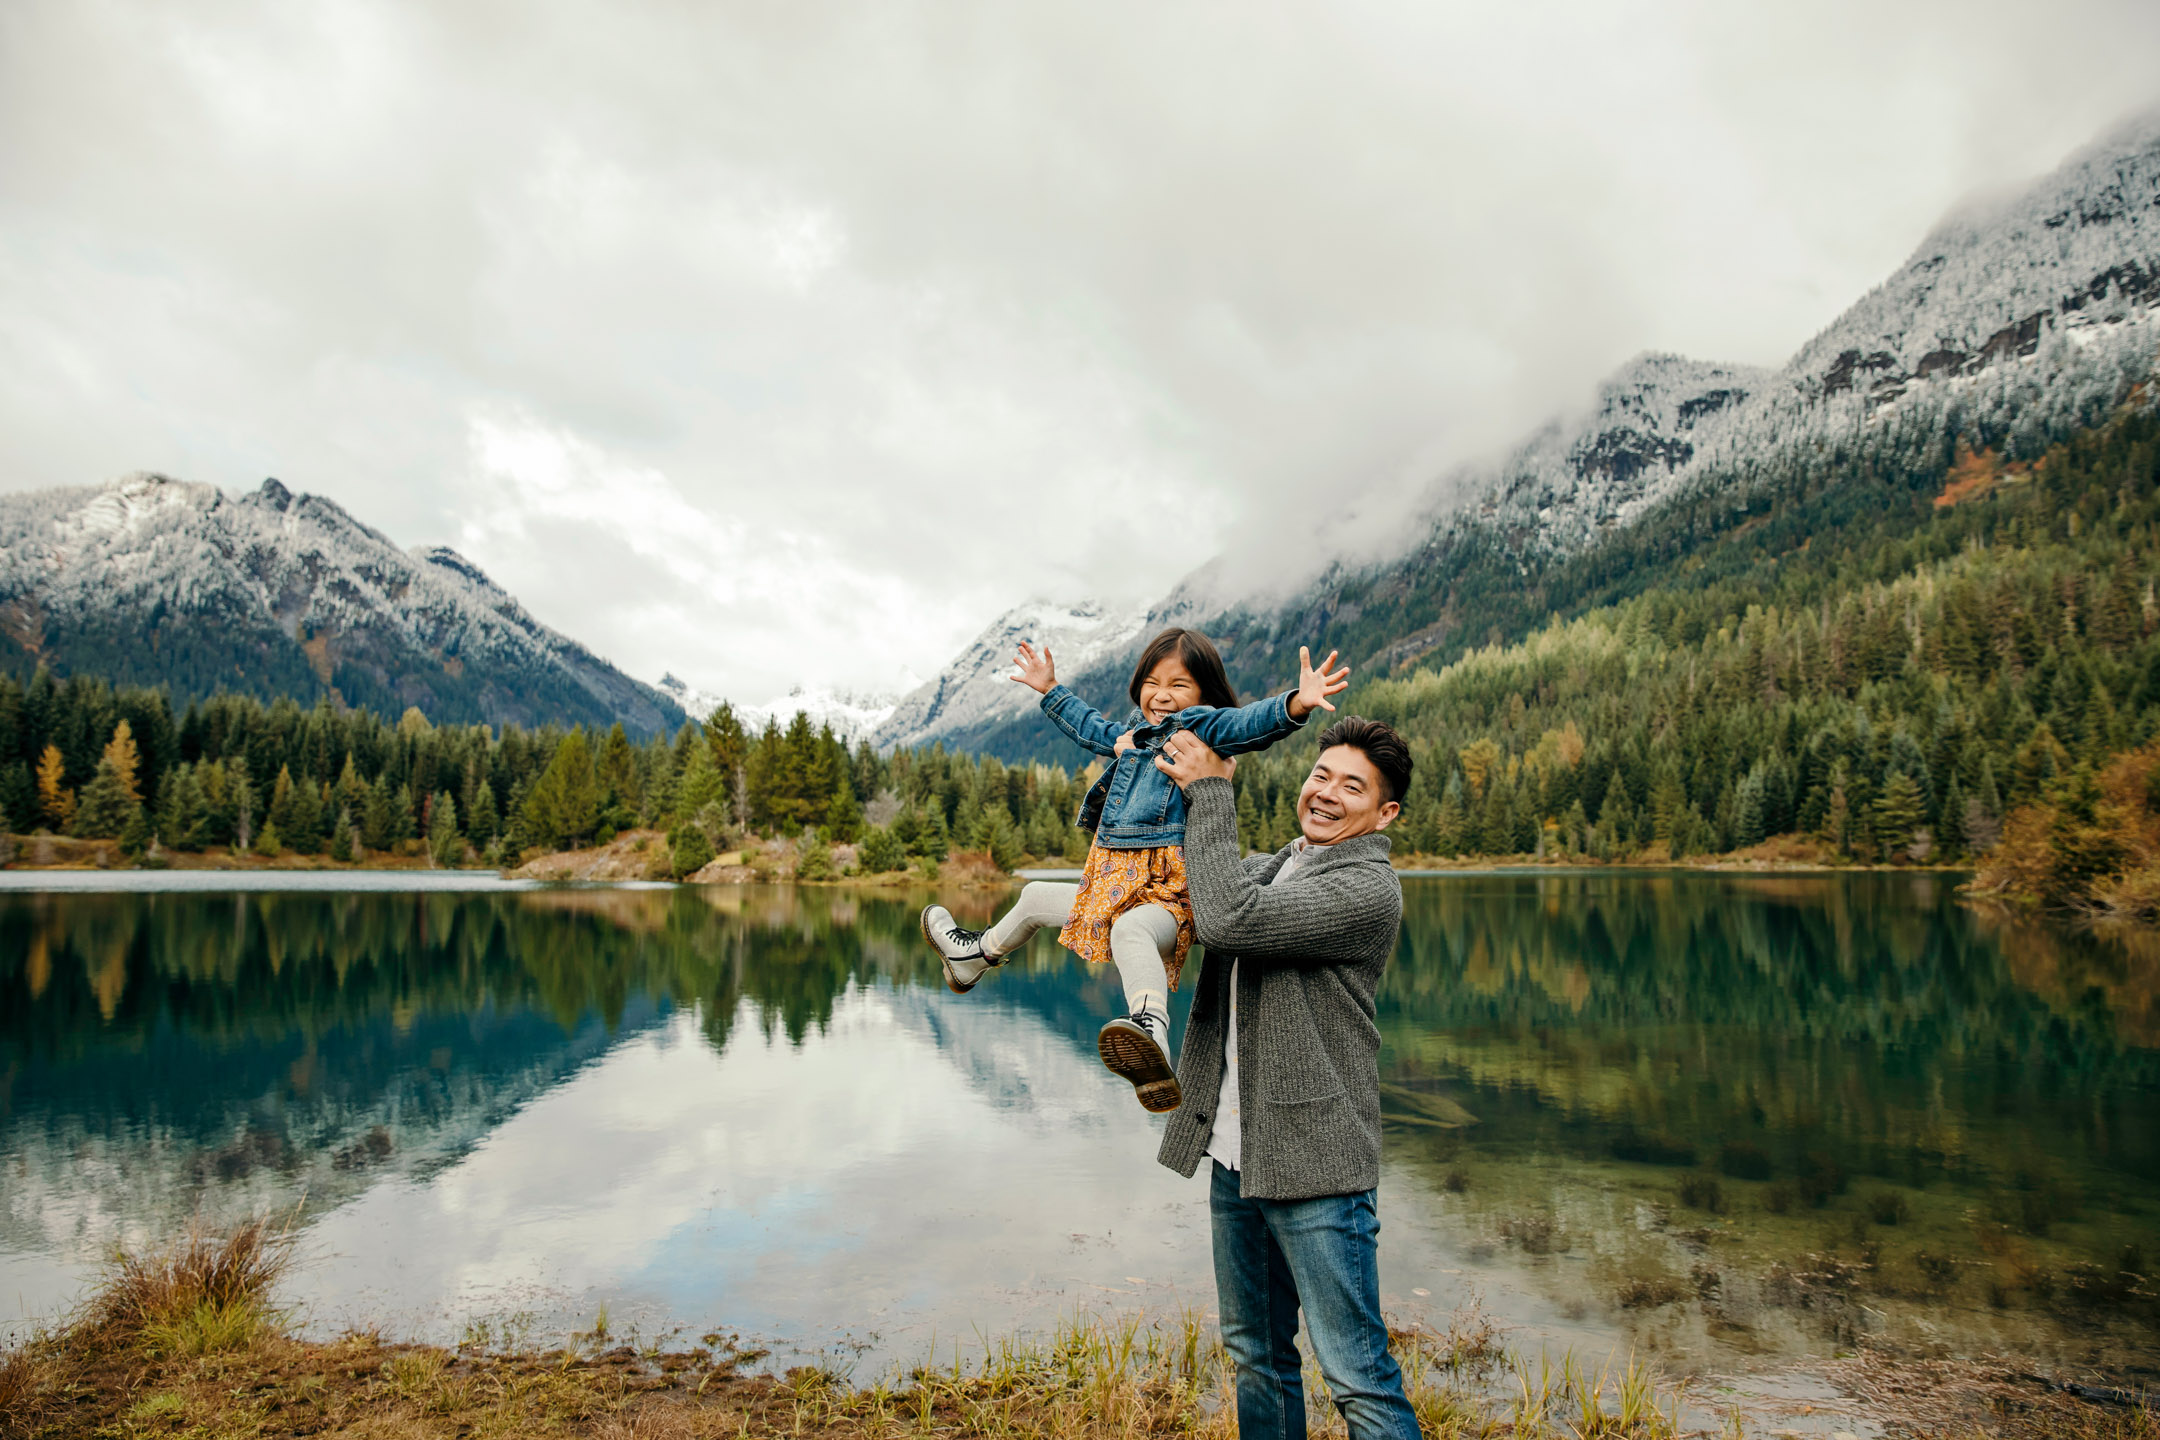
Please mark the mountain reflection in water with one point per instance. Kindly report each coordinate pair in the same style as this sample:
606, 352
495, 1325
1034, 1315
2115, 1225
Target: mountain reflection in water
1705, 1116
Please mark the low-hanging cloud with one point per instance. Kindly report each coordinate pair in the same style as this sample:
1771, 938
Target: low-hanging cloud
773, 343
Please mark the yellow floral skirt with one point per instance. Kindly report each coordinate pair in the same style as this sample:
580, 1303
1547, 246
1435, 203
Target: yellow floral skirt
1115, 881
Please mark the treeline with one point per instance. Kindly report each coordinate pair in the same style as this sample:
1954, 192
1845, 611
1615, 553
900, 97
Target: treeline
82, 758
1893, 693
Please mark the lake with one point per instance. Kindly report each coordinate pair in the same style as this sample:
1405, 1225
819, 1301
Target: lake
1726, 1121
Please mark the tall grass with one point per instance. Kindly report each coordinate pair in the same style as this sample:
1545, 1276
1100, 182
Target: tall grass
209, 1292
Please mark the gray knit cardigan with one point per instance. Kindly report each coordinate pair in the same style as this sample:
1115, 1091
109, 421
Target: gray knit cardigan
1314, 949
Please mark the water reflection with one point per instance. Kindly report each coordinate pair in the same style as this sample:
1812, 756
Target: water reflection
1706, 1115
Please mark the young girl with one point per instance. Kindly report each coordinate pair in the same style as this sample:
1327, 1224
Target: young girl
1131, 908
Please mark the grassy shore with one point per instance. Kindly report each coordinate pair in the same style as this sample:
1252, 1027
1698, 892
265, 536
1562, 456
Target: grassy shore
189, 1342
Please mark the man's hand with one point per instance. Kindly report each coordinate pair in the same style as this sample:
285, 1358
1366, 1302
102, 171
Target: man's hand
1186, 758
1315, 685
1036, 671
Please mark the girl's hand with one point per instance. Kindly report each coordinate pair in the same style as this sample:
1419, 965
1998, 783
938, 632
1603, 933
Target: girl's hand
1036, 671
1314, 686
1124, 743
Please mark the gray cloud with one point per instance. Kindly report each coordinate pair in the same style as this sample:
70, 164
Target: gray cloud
774, 342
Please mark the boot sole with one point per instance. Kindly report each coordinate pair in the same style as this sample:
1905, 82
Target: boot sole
1132, 1055
952, 981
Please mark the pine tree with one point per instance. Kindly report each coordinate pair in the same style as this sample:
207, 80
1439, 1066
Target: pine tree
445, 845
1452, 828
341, 837
843, 816
107, 808
18, 797
1950, 831
563, 806
1749, 825
1248, 819
1899, 813
482, 824
378, 821
55, 801
267, 843
281, 801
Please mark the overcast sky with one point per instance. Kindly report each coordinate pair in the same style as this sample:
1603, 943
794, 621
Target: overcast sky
792, 342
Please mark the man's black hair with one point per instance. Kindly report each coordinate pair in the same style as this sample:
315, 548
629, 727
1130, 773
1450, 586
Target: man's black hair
1389, 755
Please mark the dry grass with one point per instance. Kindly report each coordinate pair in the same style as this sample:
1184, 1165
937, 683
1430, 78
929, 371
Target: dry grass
187, 1343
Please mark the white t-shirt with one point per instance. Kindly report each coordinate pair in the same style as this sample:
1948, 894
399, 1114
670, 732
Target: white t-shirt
1226, 1141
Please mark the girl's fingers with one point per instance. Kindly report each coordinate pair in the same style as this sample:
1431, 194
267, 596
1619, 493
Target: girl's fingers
1332, 656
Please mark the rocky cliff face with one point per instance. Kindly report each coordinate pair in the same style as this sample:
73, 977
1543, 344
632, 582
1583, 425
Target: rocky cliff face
150, 580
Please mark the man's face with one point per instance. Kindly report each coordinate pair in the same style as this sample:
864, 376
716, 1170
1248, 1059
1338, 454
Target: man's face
1343, 797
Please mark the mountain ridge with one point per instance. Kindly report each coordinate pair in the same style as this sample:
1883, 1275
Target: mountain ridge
150, 580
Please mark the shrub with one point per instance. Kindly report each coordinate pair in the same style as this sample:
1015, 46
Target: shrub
1653, 1149
1702, 1192
1888, 1207
881, 851
1939, 1269
1744, 1161
815, 862
1820, 1178
690, 851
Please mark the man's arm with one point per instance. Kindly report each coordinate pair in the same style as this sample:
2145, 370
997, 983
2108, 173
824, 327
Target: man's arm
1323, 919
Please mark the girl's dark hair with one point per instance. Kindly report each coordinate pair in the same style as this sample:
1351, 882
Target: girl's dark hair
1198, 655
1389, 755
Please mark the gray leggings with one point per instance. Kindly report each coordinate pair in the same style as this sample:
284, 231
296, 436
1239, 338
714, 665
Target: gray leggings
1141, 940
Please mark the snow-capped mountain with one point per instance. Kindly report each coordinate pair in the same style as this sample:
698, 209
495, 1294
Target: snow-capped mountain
151, 580
852, 717
974, 688
2015, 321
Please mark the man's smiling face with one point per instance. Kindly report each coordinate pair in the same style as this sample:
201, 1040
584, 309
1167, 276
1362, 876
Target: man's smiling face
1344, 796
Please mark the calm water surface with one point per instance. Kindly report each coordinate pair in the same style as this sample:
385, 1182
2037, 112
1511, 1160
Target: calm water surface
1722, 1120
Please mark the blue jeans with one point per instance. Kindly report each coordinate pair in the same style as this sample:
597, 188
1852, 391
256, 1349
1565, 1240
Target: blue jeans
1270, 1257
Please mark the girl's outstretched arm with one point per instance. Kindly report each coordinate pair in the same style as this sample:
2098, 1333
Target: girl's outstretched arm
1263, 722
1078, 719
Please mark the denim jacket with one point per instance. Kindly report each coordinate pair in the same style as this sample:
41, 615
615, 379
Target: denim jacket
1134, 806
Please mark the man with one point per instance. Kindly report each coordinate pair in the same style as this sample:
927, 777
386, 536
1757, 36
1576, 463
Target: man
1280, 1069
